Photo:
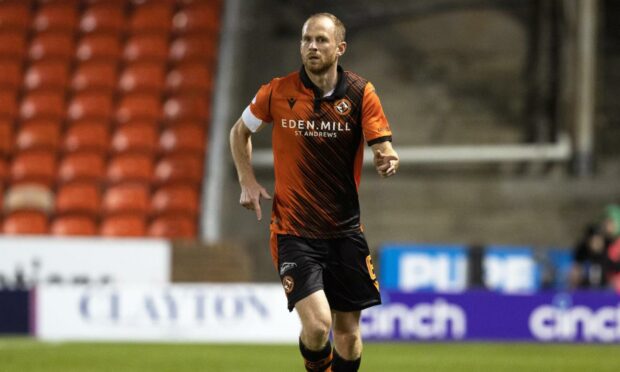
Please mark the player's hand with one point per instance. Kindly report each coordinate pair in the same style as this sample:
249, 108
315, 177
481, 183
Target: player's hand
250, 197
386, 164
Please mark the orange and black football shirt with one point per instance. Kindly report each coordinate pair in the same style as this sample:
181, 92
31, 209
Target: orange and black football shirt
318, 148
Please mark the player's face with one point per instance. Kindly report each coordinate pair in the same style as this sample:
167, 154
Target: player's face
319, 48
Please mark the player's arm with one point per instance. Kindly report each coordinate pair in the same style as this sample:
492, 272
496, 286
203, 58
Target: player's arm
241, 148
385, 158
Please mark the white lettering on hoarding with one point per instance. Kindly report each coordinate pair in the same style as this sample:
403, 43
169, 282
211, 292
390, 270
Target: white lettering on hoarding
437, 320
552, 323
440, 272
510, 274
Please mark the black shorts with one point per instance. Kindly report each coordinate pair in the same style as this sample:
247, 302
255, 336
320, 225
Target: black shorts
342, 267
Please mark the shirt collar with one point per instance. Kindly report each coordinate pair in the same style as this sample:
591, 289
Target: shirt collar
339, 91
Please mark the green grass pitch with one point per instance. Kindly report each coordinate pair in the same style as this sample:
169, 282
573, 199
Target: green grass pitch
24, 355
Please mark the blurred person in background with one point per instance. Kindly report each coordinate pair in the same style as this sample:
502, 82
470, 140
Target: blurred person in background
611, 226
321, 116
590, 260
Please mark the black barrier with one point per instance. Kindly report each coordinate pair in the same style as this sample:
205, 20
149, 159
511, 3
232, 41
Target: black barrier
14, 312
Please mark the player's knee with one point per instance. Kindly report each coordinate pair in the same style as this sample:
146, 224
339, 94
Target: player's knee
318, 330
347, 340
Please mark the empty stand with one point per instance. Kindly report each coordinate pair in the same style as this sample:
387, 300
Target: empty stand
178, 227
26, 222
74, 225
4, 172
34, 167
147, 77
93, 136
15, 15
197, 17
190, 78
135, 107
90, 106
130, 167
188, 137
47, 75
186, 108
95, 76
78, 198
146, 47
151, 17
52, 45
82, 166
175, 200
139, 137
56, 16
12, 44
8, 104
6, 137
104, 17
11, 77
43, 105
193, 48
38, 135
99, 47
128, 198
179, 168
128, 225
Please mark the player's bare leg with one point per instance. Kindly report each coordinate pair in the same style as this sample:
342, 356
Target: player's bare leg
316, 322
347, 341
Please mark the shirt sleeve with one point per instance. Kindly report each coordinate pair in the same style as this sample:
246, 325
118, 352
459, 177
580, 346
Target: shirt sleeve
259, 109
374, 123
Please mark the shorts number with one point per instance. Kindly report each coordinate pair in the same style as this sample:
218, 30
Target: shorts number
371, 268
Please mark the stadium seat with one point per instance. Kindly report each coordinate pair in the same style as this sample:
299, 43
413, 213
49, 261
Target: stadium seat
51, 45
43, 105
74, 225
128, 225
151, 17
12, 45
15, 15
145, 77
4, 172
146, 47
34, 167
104, 17
126, 198
179, 168
11, 77
175, 227
8, 104
100, 76
175, 199
6, 137
193, 48
136, 137
90, 106
86, 135
183, 138
199, 17
56, 16
82, 166
52, 75
78, 197
29, 197
25, 223
190, 78
38, 135
136, 107
130, 167
98, 47
186, 108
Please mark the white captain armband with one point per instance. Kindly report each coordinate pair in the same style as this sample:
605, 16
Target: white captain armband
251, 121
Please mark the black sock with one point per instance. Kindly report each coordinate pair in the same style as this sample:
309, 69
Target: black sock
341, 365
316, 361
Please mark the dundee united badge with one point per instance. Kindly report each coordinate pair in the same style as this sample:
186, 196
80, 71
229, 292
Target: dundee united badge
288, 283
343, 106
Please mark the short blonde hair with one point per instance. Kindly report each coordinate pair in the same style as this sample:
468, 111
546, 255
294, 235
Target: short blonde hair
341, 31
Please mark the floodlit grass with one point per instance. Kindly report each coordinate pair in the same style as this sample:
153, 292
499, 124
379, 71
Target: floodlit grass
24, 355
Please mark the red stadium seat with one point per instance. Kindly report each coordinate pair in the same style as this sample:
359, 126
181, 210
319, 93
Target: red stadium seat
78, 197
8, 104
51, 45
98, 47
179, 168
174, 227
100, 76
146, 48
129, 225
6, 137
137, 137
74, 225
12, 45
56, 16
91, 136
193, 48
190, 78
104, 17
4, 174
38, 135
186, 108
189, 138
137, 107
14, 15
11, 77
90, 105
199, 17
151, 17
52, 75
130, 167
126, 198
82, 166
26, 223
34, 167
175, 199
43, 105
145, 77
